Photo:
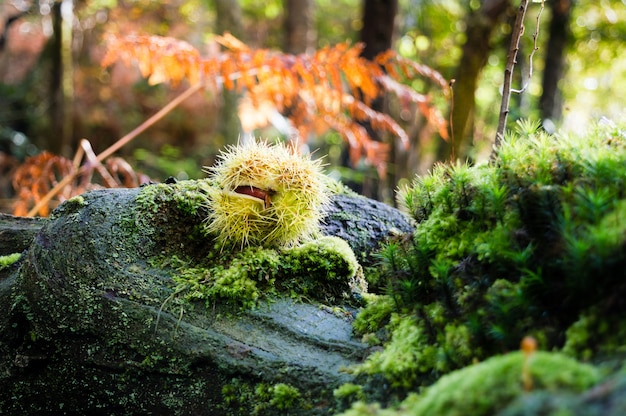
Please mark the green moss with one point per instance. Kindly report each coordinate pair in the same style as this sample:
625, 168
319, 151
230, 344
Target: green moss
375, 315
522, 245
328, 258
240, 397
246, 277
348, 390
284, 396
6, 261
411, 355
78, 201
327, 270
405, 356
236, 394
324, 270
593, 335
485, 388
189, 197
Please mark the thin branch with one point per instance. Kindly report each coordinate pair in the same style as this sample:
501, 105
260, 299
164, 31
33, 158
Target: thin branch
149, 122
116, 146
532, 53
452, 81
518, 31
93, 163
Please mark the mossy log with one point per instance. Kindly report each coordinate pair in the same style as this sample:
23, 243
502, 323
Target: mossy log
17, 233
93, 320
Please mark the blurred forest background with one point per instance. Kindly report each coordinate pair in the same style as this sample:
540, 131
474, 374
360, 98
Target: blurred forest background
54, 91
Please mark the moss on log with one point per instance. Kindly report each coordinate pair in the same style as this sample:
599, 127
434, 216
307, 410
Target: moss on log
103, 312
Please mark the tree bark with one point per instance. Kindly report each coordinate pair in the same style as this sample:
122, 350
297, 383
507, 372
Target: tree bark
550, 103
299, 30
480, 28
377, 36
378, 26
228, 19
56, 108
67, 84
368, 223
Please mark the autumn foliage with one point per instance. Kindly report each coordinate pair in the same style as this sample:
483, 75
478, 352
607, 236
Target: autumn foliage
334, 88
39, 175
330, 89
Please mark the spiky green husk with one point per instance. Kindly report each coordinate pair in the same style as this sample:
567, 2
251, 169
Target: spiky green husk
297, 193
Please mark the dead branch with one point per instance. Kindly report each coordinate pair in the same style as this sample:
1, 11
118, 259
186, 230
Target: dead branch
114, 147
518, 31
532, 53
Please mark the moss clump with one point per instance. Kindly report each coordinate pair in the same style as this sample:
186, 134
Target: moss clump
592, 326
376, 315
529, 243
157, 206
323, 253
324, 270
347, 390
486, 388
328, 271
6, 261
240, 398
242, 280
284, 396
411, 356
188, 197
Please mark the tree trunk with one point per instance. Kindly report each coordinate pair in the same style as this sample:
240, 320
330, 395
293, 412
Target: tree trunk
17, 233
228, 19
67, 81
480, 27
377, 36
378, 26
550, 102
299, 30
56, 109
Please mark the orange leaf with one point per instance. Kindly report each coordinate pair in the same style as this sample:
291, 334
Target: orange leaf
160, 59
231, 42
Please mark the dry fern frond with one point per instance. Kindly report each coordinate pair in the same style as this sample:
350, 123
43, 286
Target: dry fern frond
36, 177
392, 62
34, 180
160, 59
330, 89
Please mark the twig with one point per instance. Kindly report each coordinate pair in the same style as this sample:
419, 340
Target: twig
511, 60
532, 53
93, 163
452, 82
116, 146
149, 122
